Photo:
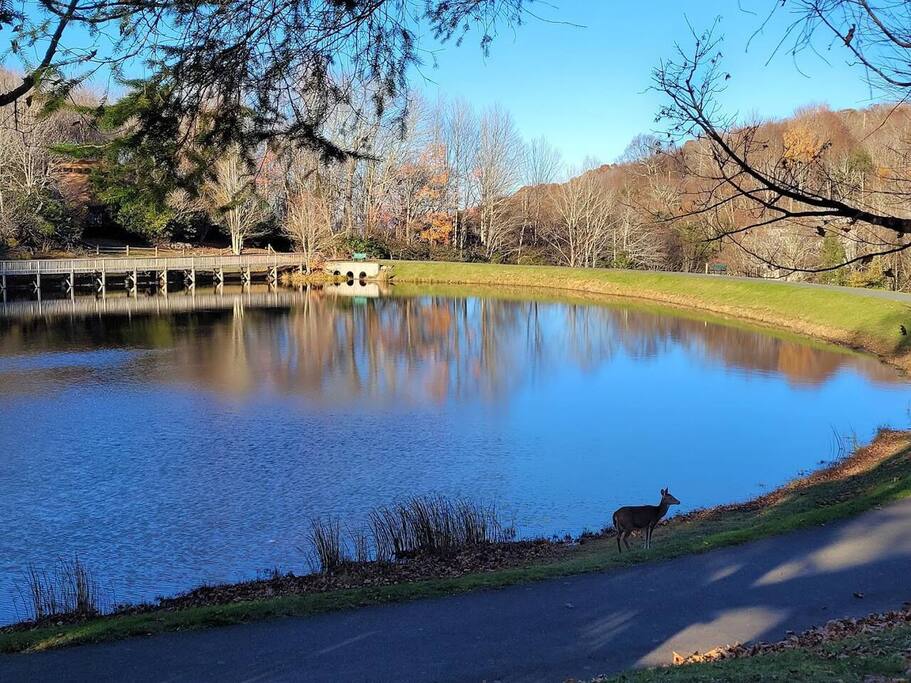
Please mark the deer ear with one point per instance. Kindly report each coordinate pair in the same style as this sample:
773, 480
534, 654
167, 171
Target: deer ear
663, 492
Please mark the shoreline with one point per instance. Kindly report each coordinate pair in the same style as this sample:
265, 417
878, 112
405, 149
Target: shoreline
872, 475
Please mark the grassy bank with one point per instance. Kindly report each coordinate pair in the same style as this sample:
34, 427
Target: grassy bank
874, 475
858, 319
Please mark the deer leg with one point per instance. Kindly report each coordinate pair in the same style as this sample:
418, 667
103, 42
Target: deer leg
626, 539
619, 549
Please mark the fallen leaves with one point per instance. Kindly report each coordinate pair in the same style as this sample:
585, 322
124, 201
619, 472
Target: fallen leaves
816, 639
480, 558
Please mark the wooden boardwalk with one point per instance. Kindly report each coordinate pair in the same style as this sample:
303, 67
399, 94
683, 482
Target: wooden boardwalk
83, 306
127, 304
157, 268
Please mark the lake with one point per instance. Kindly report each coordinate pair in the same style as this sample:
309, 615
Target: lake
189, 439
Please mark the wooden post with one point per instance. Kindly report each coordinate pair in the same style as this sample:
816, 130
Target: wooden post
38, 277
3, 283
128, 250
135, 281
72, 282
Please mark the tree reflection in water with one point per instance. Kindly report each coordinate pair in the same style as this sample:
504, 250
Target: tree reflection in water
193, 437
425, 348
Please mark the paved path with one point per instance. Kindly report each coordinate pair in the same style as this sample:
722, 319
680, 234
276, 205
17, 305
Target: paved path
579, 626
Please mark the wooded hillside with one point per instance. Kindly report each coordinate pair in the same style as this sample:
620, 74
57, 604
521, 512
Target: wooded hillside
452, 183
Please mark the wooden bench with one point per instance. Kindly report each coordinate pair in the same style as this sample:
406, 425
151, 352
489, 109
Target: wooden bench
717, 269
359, 256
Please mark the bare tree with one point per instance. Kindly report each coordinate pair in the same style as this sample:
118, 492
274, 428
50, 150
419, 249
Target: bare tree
307, 222
648, 190
541, 164
579, 234
461, 133
633, 240
499, 164
232, 200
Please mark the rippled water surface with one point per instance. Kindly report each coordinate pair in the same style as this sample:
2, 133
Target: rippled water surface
171, 442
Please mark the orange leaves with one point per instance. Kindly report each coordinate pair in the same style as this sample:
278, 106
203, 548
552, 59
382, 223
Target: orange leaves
437, 228
801, 144
423, 185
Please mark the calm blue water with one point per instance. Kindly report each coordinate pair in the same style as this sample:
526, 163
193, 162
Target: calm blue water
171, 449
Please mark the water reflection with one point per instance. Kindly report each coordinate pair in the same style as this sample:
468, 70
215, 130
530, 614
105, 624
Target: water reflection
172, 441
345, 343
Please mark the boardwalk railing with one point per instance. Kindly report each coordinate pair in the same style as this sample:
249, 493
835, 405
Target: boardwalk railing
81, 306
231, 264
124, 305
125, 250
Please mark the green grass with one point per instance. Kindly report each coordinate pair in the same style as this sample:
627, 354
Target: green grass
887, 481
838, 660
854, 318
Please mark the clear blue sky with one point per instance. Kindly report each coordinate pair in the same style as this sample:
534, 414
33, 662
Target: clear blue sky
585, 88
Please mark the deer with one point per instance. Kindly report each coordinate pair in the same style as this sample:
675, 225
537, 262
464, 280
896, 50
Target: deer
632, 517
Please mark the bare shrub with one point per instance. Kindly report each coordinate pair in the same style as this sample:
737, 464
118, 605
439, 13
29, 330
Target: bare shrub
434, 524
69, 589
79, 588
40, 593
360, 545
326, 542
388, 533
